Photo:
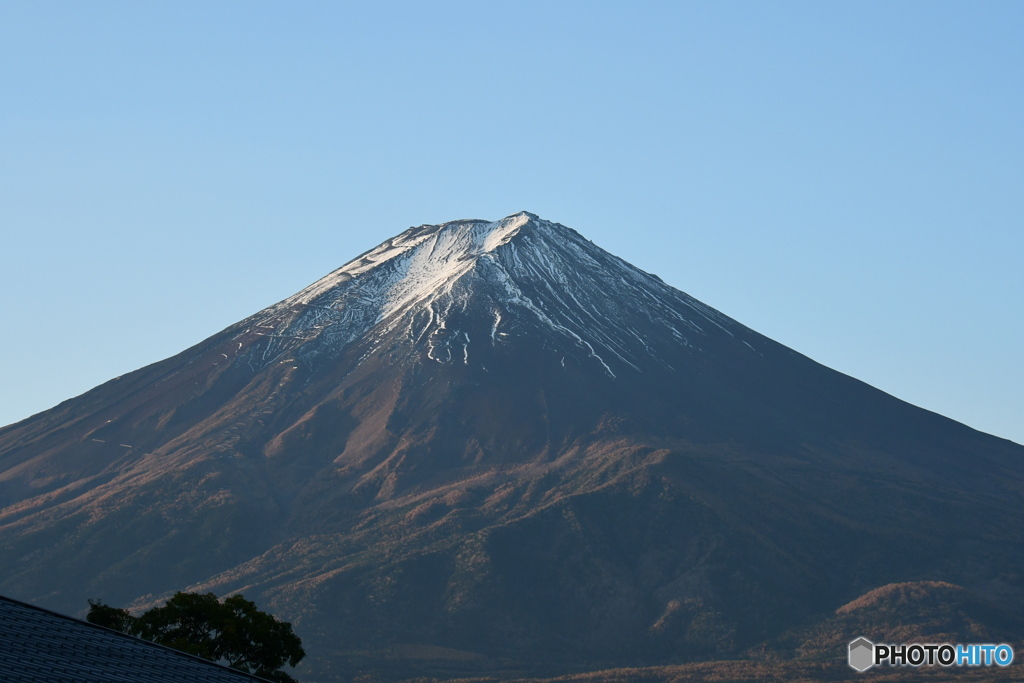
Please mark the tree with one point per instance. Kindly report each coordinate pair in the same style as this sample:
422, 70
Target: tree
233, 632
111, 617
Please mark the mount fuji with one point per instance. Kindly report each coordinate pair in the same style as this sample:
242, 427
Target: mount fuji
494, 448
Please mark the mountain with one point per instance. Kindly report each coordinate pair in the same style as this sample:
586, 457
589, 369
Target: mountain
495, 447
916, 612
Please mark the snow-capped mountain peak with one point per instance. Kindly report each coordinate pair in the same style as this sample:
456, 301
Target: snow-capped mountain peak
522, 274
422, 258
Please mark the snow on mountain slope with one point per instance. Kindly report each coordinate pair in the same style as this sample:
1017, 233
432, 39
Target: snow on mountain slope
520, 268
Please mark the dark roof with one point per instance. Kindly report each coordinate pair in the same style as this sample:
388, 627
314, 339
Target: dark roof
40, 646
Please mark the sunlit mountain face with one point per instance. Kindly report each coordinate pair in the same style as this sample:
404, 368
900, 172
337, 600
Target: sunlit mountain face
493, 447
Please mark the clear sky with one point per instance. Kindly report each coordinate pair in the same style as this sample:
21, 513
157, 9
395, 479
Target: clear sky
844, 177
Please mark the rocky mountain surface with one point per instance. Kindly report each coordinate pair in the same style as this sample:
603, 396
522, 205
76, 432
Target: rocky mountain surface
494, 448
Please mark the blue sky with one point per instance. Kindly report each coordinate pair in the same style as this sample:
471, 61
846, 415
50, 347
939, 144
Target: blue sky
846, 178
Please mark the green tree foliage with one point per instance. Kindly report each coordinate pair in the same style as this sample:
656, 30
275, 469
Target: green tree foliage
231, 631
111, 617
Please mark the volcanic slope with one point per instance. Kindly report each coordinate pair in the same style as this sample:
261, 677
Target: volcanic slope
493, 444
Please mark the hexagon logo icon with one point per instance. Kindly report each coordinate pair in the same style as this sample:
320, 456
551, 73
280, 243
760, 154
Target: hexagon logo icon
862, 654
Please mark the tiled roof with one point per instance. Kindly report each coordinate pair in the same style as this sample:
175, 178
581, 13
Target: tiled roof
39, 646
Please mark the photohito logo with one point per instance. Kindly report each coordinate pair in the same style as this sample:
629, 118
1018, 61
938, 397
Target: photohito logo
864, 654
